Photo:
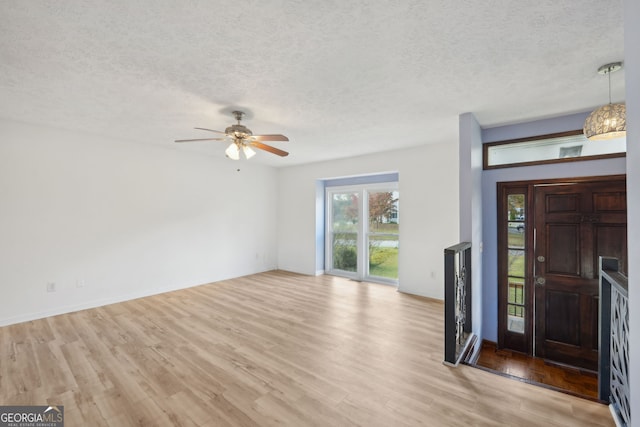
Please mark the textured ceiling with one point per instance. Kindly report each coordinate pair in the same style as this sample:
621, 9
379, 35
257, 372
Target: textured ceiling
339, 78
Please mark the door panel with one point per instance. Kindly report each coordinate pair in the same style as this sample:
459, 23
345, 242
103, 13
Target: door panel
562, 203
575, 224
562, 322
563, 249
610, 202
611, 240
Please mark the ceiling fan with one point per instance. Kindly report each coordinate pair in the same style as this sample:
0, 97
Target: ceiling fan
243, 139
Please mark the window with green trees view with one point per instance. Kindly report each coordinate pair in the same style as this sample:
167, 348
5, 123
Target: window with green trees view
363, 232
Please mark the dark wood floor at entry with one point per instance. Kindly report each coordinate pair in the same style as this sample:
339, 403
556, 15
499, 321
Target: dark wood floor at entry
537, 370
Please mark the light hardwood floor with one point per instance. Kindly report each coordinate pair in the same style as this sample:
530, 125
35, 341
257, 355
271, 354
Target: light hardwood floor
269, 349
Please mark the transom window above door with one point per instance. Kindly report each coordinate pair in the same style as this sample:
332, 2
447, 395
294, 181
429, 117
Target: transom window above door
553, 148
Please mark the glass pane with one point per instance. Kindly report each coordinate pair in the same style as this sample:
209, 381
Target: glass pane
515, 321
516, 263
515, 235
383, 212
516, 310
515, 207
345, 251
383, 256
551, 149
516, 226
516, 290
344, 214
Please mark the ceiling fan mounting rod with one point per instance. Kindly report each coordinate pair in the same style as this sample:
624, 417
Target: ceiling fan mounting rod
238, 115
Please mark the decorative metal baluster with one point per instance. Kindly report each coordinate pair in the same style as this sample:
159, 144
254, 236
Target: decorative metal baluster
457, 301
613, 354
461, 312
620, 354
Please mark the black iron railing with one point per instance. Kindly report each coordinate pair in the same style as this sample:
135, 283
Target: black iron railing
613, 376
457, 302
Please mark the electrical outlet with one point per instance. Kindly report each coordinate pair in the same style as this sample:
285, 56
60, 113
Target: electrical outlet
79, 283
51, 287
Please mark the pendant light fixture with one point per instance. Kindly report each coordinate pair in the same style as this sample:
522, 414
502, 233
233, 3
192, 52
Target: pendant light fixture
608, 121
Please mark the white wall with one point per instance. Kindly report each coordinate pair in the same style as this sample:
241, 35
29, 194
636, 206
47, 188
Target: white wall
632, 85
428, 184
124, 218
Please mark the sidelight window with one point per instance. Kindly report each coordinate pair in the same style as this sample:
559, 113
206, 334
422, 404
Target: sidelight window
516, 226
514, 283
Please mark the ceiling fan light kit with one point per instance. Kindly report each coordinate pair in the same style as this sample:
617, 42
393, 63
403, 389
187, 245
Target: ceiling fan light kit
232, 151
608, 121
248, 152
242, 138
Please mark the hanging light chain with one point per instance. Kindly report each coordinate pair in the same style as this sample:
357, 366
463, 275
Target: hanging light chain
608, 69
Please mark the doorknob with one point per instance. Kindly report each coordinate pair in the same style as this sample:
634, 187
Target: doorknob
540, 258
540, 281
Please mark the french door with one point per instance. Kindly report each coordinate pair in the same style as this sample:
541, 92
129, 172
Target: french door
362, 232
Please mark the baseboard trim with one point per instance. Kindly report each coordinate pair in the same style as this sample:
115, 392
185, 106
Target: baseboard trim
616, 417
473, 351
467, 349
27, 317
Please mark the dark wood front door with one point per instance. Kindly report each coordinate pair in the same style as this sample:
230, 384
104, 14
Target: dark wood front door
575, 223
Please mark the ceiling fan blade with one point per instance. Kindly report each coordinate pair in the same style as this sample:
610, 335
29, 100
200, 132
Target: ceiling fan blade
200, 139
276, 137
211, 130
268, 148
